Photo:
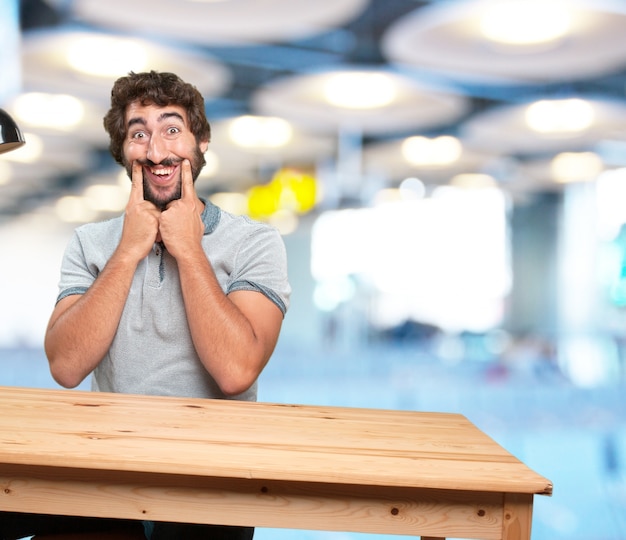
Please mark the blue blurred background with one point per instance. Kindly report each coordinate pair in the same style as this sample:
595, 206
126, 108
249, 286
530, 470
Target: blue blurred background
455, 244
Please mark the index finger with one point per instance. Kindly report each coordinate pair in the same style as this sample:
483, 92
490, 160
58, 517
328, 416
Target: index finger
187, 189
136, 188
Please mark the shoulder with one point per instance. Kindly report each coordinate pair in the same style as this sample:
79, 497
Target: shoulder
101, 228
243, 222
253, 237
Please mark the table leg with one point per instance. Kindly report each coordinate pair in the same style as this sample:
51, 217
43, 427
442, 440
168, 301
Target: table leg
518, 514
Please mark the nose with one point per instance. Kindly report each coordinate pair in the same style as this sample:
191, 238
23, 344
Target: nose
157, 149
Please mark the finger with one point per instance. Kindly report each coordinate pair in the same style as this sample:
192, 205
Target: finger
136, 188
187, 189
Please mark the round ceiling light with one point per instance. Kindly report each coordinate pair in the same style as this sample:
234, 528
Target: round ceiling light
525, 22
359, 90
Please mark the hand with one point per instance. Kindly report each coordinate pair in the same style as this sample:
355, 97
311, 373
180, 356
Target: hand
141, 220
181, 225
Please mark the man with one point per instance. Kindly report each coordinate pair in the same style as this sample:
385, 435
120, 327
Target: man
175, 297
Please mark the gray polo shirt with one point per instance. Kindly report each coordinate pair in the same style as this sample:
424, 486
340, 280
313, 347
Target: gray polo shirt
152, 352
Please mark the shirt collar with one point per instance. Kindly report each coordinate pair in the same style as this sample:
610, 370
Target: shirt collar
210, 216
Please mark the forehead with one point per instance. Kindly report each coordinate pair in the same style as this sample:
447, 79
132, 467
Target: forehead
136, 112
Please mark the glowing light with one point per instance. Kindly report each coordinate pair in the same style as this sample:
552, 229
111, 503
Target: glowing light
576, 167
473, 181
560, 116
74, 210
386, 196
5, 173
106, 198
58, 111
409, 253
123, 181
262, 201
298, 189
440, 151
359, 90
289, 189
525, 22
412, 188
285, 221
235, 203
610, 194
588, 362
104, 56
330, 293
260, 131
212, 164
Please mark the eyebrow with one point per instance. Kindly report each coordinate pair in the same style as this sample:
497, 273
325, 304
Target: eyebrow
163, 116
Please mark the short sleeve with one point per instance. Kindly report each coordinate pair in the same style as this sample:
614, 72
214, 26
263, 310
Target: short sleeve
261, 265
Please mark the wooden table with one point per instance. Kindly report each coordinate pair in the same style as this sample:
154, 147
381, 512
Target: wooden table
432, 475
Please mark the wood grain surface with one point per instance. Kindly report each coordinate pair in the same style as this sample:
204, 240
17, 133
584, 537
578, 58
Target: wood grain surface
311, 467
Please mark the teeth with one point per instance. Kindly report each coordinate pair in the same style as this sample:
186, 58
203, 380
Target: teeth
162, 172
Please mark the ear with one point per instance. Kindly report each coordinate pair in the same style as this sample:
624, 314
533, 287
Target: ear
204, 145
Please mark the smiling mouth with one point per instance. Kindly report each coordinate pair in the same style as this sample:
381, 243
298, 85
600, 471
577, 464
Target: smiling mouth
161, 175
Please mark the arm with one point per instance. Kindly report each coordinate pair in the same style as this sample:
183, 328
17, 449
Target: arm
82, 327
234, 335
241, 327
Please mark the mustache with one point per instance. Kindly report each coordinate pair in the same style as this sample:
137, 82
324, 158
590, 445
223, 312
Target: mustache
168, 162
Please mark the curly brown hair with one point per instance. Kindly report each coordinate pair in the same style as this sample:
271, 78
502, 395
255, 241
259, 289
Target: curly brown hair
156, 88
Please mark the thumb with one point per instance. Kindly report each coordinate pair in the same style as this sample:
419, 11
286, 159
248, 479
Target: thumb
188, 191
136, 188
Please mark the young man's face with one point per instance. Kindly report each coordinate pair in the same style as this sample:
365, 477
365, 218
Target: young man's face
159, 139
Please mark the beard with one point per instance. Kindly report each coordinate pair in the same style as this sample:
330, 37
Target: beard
154, 196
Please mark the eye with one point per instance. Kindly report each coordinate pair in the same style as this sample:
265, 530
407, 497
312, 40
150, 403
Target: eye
173, 130
137, 135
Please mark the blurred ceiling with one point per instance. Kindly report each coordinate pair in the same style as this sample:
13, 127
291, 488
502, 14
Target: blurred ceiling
445, 78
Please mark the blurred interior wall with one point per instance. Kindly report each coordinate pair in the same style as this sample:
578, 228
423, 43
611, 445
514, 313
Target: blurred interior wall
534, 259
